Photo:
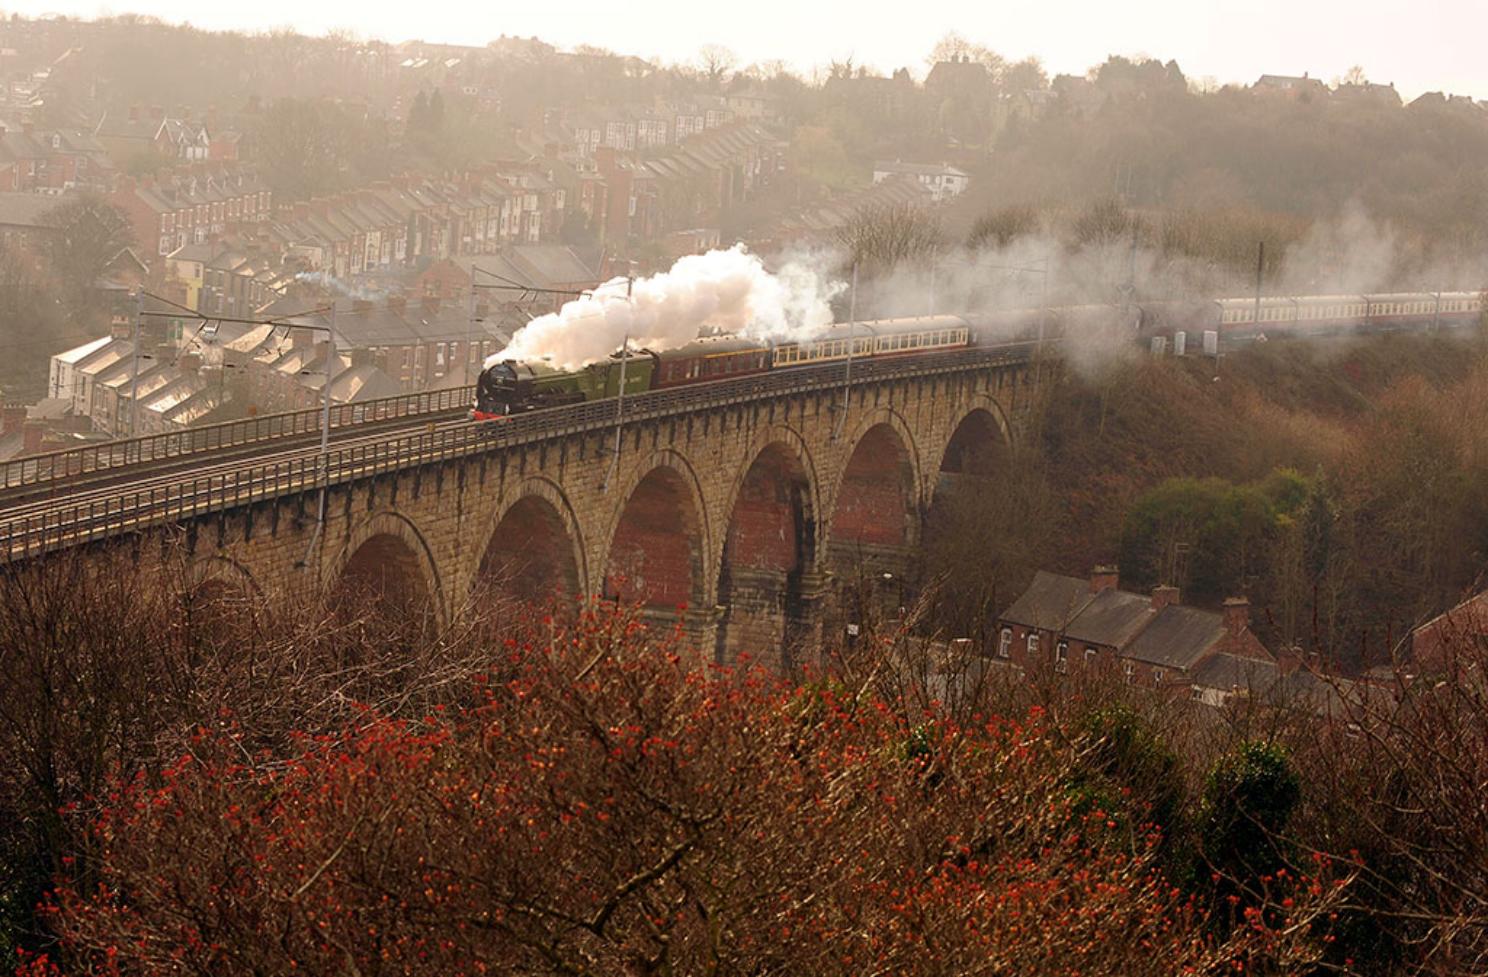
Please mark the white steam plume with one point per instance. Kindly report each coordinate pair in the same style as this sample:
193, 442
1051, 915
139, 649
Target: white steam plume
721, 291
326, 280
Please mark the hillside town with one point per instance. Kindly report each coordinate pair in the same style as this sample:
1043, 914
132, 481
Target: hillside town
512, 172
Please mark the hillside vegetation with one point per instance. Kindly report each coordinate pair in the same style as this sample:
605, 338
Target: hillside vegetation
1344, 481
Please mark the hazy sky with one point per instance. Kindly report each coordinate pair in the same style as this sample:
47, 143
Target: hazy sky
1424, 45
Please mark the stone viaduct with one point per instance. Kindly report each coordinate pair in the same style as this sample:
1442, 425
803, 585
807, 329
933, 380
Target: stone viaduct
740, 518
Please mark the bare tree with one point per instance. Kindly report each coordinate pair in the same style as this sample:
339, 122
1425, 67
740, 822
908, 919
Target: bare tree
879, 239
716, 61
954, 47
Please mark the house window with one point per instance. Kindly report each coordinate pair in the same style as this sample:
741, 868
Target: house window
1157, 676
1061, 657
1004, 643
1033, 645
1089, 657
1196, 694
1130, 671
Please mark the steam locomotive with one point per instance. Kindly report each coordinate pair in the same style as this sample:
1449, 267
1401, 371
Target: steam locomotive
513, 387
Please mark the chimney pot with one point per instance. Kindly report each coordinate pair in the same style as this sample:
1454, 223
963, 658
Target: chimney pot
1163, 596
1236, 615
1104, 577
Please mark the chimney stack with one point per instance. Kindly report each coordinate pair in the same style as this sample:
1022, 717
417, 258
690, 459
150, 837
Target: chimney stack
33, 434
398, 303
1236, 615
361, 305
1105, 576
431, 305
14, 416
188, 362
1289, 659
1163, 595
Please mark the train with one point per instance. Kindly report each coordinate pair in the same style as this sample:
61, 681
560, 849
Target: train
511, 387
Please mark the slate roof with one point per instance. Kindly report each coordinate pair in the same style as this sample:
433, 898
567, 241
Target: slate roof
1112, 618
1051, 601
383, 325
535, 265
26, 209
1177, 637
1228, 672
114, 126
918, 169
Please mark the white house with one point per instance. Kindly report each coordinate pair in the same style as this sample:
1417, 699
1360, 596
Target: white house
941, 180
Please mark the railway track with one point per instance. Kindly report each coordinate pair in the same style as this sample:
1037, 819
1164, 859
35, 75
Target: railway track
59, 473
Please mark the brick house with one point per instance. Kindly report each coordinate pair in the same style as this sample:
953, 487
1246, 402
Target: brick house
1291, 86
419, 345
547, 268
1152, 640
134, 135
940, 179
191, 205
1464, 628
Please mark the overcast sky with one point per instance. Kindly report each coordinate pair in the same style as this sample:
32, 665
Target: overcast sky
1425, 45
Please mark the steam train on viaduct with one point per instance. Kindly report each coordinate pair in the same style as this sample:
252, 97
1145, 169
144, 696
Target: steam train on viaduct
512, 387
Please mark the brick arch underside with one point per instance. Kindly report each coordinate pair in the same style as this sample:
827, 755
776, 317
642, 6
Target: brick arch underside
770, 543
875, 506
384, 576
530, 555
656, 555
977, 446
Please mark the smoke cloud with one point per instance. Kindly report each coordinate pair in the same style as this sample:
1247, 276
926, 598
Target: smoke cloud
719, 292
326, 280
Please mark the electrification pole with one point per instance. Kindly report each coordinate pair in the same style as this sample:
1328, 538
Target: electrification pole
620, 398
852, 332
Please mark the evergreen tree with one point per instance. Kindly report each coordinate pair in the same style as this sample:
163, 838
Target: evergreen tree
418, 112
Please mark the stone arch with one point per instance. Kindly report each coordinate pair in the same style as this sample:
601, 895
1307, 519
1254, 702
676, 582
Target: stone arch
535, 549
981, 428
961, 534
875, 523
218, 590
386, 560
657, 539
222, 571
767, 562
